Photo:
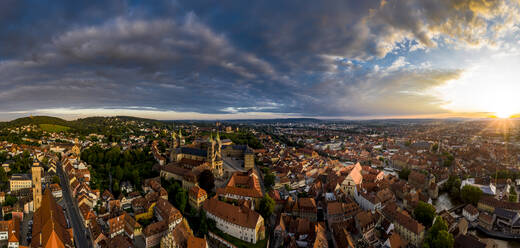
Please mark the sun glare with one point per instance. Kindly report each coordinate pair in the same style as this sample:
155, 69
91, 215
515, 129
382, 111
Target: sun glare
489, 87
503, 115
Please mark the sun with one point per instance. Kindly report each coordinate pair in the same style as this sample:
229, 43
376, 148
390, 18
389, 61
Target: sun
503, 114
489, 87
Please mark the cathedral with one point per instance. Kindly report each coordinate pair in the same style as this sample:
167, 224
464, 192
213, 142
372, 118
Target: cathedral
205, 154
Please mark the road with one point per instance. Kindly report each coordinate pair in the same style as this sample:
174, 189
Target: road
80, 237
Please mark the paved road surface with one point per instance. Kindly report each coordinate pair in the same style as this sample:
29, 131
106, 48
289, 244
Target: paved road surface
80, 238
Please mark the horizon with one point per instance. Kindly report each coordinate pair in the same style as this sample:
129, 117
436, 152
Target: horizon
284, 118
187, 60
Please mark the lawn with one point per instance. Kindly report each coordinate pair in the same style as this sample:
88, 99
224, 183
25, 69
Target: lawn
240, 243
53, 128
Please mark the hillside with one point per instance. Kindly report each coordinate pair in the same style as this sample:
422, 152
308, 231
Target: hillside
34, 120
82, 126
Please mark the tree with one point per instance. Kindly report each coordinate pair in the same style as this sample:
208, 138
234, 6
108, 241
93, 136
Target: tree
435, 147
438, 236
513, 196
470, 194
444, 239
3, 179
181, 198
207, 180
203, 223
266, 206
453, 186
448, 159
404, 173
56, 179
8, 216
10, 200
269, 180
424, 213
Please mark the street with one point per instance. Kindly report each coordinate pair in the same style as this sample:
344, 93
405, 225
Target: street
72, 210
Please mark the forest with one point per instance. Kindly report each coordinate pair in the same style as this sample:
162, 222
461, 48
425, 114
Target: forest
112, 166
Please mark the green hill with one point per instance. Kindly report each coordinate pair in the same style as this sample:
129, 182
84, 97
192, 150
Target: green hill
36, 120
53, 128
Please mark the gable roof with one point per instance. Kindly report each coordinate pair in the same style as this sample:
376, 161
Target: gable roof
50, 223
237, 215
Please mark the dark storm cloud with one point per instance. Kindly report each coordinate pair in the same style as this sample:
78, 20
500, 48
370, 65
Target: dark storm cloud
303, 57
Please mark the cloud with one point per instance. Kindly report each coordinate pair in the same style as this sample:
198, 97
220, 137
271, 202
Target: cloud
340, 58
398, 63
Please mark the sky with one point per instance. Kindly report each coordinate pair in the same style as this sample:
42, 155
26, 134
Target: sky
341, 59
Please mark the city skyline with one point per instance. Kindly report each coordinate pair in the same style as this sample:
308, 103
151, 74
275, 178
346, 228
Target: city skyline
235, 60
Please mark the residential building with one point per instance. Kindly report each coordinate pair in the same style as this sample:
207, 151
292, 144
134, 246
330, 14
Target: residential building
197, 196
20, 181
470, 213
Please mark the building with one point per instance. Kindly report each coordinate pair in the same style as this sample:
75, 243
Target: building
20, 181
164, 210
37, 182
192, 156
10, 232
353, 179
56, 190
182, 237
305, 208
339, 211
242, 152
470, 213
468, 241
154, 232
509, 221
116, 226
50, 227
239, 222
197, 196
408, 228
242, 186
365, 224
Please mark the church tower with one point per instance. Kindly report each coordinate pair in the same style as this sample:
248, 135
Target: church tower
219, 148
219, 164
182, 141
211, 150
173, 147
36, 171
